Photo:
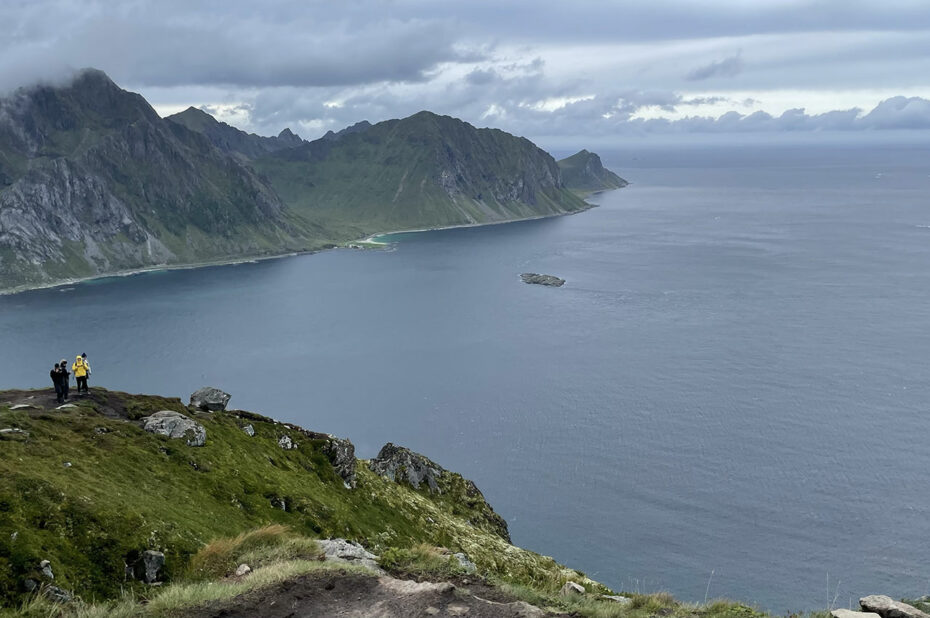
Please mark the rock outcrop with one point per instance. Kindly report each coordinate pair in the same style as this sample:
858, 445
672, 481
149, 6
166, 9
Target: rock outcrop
397, 463
342, 550
175, 426
537, 279
402, 465
886, 607
210, 399
147, 567
341, 454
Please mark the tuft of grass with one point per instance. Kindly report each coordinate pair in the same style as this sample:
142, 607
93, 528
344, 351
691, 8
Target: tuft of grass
421, 560
257, 548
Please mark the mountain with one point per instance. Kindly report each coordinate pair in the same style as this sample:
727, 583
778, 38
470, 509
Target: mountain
93, 181
231, 139
418, 172
358, 127
583, 172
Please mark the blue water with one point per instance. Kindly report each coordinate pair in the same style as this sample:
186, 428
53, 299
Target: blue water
734, 381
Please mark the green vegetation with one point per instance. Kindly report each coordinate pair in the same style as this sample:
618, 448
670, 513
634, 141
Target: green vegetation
96, 183
126, 491
584, 174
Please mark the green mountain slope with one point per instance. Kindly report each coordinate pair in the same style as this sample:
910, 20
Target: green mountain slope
88, 489
583, 172
422, 171
231, 139
93, 181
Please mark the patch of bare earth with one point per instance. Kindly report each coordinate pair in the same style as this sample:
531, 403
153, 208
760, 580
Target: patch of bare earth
365, 596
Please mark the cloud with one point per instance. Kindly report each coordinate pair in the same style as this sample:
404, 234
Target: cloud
728, 67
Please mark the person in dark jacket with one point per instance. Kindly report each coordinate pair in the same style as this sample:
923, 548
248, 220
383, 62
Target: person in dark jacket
55, 374
65, 378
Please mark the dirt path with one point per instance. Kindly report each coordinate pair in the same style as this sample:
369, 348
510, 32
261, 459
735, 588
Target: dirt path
367, 596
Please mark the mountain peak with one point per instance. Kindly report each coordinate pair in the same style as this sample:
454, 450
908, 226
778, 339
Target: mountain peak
584, 172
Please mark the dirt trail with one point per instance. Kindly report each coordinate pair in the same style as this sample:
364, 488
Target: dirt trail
368, 596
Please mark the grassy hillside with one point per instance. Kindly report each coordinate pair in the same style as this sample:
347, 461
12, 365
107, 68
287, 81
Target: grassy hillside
86, 487
584, 173
422, 171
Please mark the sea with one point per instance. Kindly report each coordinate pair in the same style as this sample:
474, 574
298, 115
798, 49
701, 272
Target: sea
729, 397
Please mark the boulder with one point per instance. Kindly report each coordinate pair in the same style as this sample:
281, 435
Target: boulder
249, 430
538, 279
469, 566
341, 454
176, 426
243, 569
46, 567
286, 443
616, 599
886, 607
210, 399
341, 550
397, 463
57, 595
571, 588
848, 613
147, 567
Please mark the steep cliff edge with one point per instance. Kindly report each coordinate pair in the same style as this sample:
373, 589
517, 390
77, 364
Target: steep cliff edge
584, 173
93, 181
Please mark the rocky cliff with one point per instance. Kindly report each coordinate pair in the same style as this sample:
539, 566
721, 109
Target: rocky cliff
583, 172
93, 181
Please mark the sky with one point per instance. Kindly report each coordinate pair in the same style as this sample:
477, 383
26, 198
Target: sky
556, 72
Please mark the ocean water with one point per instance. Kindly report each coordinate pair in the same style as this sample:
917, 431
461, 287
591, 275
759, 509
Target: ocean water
729, 397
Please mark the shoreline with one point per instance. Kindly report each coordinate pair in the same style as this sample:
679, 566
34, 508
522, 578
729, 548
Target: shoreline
261, 258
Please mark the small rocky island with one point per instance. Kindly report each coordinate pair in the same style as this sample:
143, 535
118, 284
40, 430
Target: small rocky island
550, 280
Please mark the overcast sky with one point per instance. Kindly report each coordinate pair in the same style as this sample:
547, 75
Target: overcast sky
553, 71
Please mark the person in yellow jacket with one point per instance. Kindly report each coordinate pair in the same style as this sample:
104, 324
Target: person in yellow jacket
80, 374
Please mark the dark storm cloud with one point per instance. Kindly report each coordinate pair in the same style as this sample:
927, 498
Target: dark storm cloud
728, 67
585, 67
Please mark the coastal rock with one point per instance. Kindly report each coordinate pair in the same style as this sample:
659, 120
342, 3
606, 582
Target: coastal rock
210, 399
176, 426
571, 588
341, 454
399, 464
616, 599
396, 462
286, 443
46, 567
249, 430
147, 567
550, 280
848, 613
341, 550
886, 607
243, 569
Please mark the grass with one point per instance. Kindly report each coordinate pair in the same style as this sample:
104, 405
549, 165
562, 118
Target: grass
127, 491
421, 560
256, 548
170, 600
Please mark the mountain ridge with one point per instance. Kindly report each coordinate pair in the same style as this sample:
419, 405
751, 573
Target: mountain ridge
93, 182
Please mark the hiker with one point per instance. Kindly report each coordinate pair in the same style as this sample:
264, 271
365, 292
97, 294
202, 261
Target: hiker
65, 378
87, 367
55, 374
80, 374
